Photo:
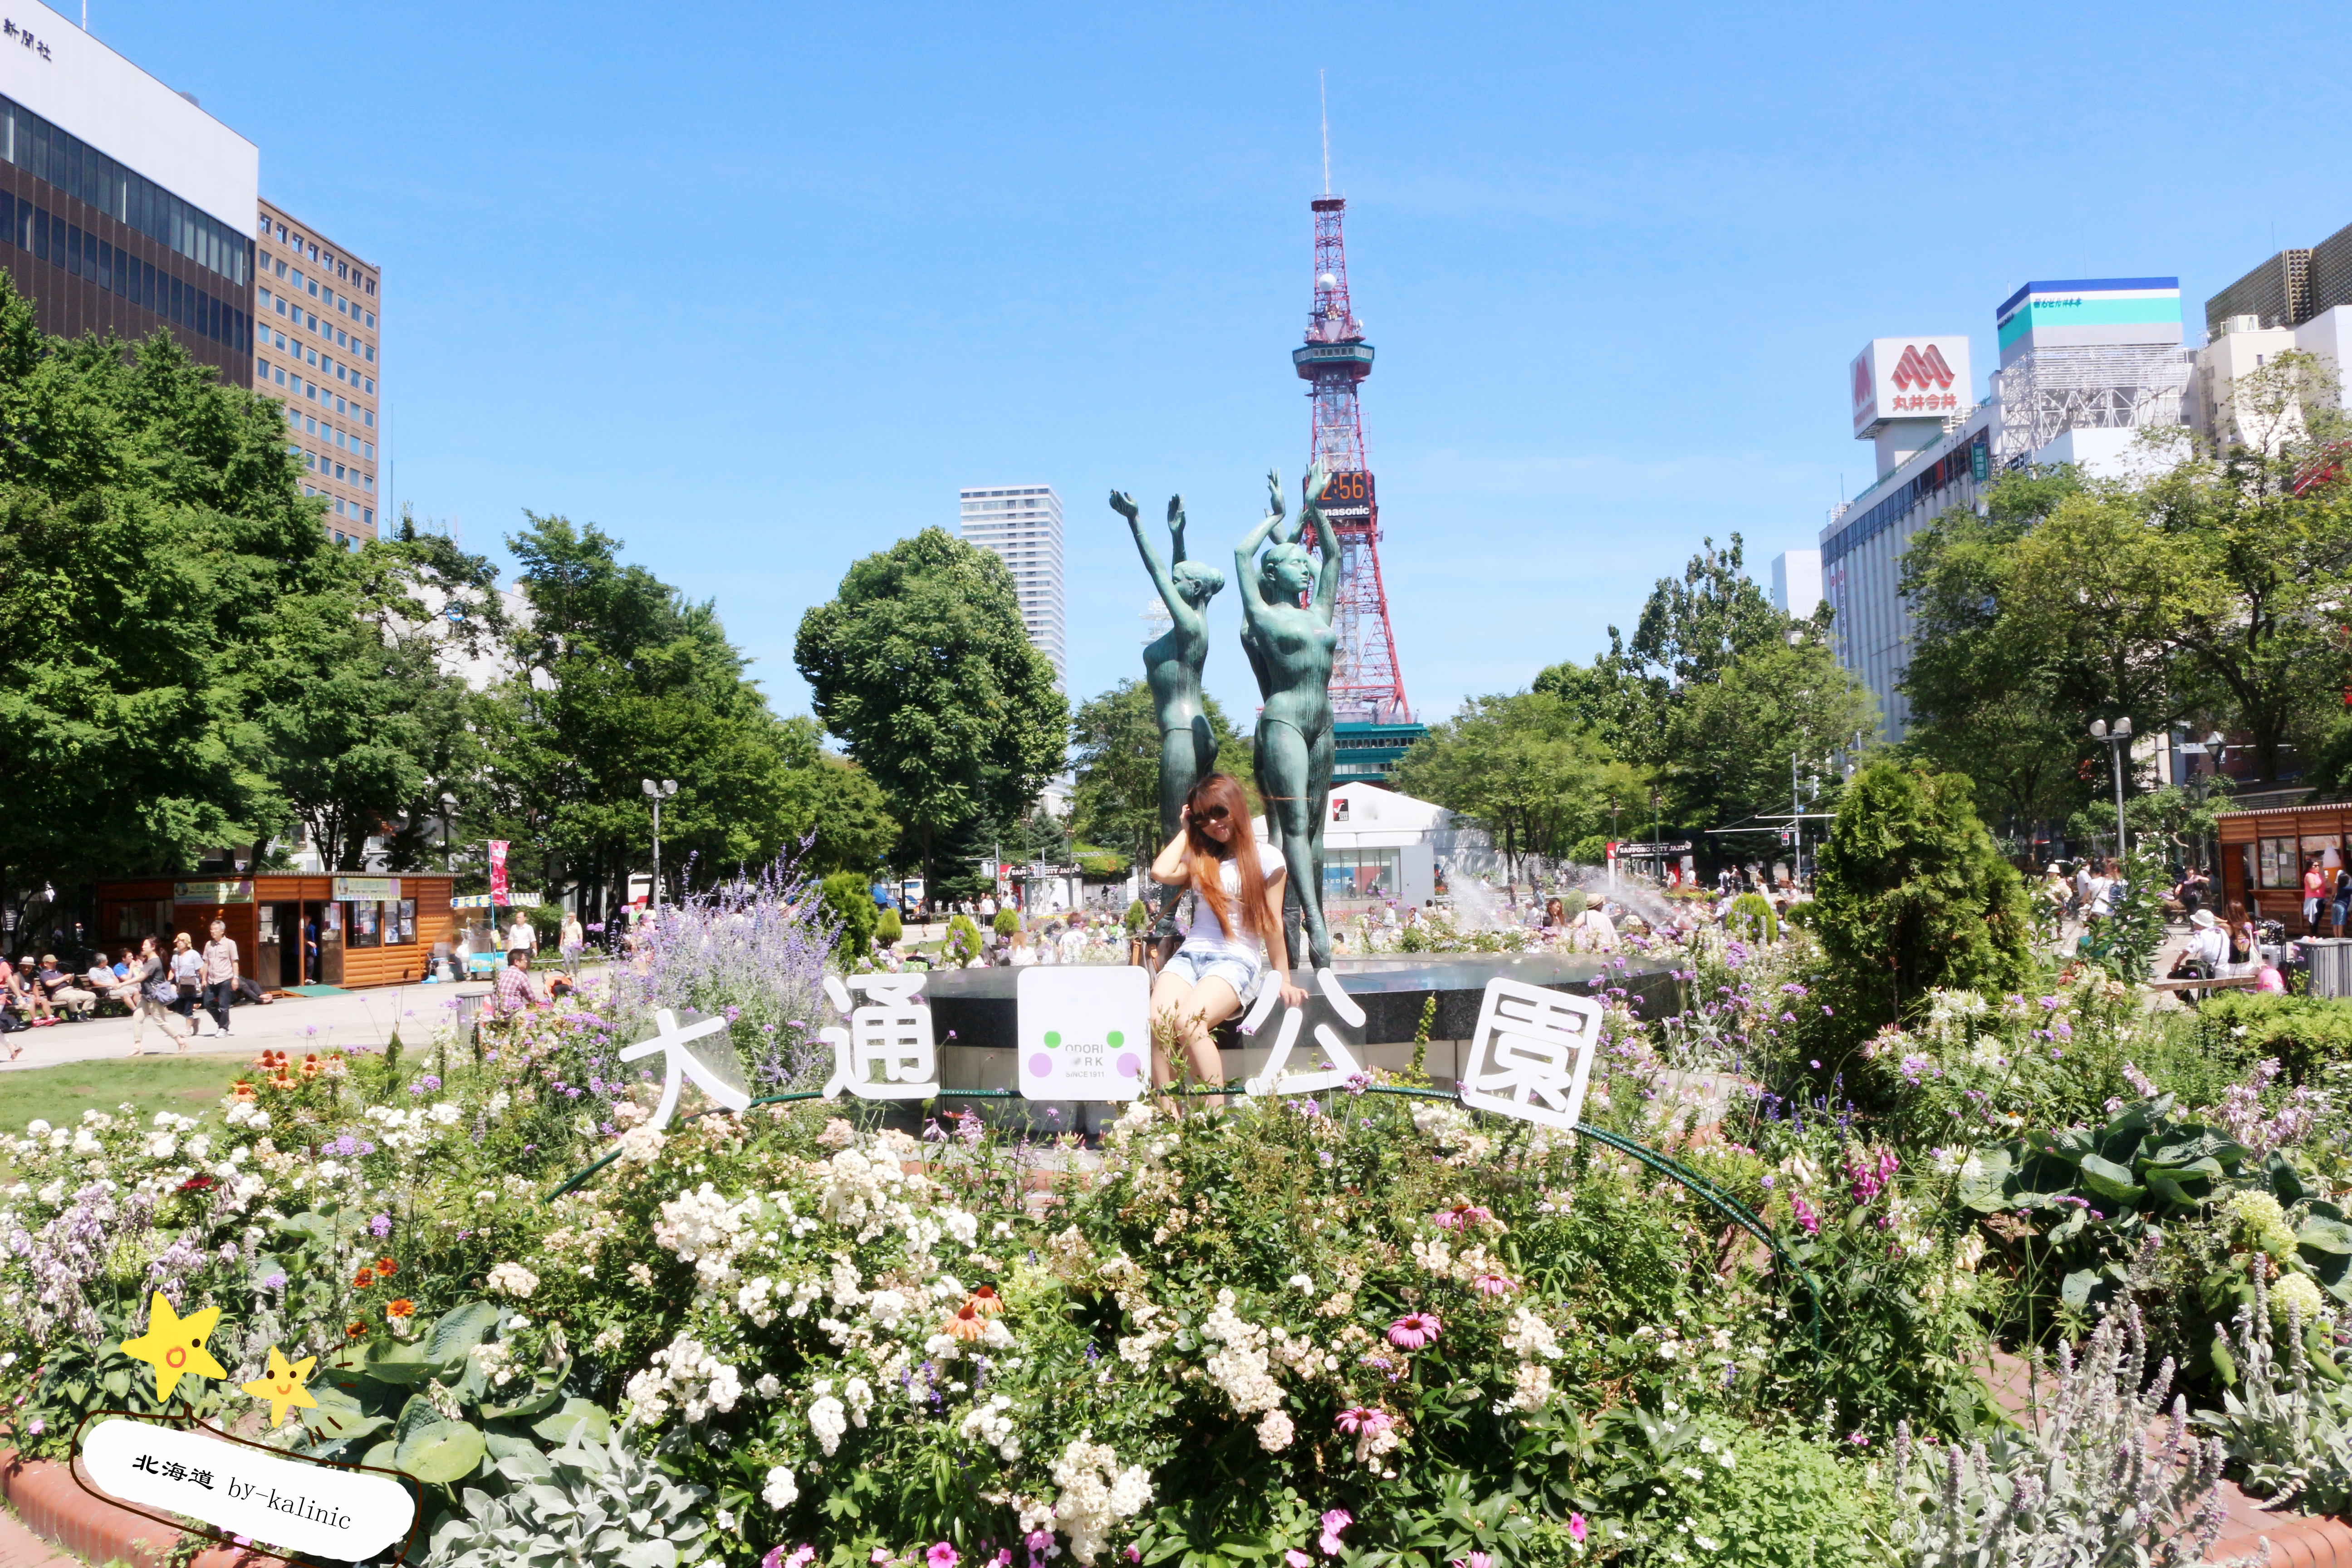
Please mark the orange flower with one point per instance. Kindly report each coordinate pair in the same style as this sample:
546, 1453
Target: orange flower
309, 1067
385, 1269
363, 1279
241, 1090
357, 1330
987, 1300
966, 1324
402, 1308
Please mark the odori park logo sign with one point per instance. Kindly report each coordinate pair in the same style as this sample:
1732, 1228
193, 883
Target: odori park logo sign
229, 1488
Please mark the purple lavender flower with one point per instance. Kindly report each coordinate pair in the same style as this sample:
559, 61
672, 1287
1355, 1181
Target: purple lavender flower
379, 1226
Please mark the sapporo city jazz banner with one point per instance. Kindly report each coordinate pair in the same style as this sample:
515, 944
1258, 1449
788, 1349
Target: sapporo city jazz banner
497, 870
213, 1482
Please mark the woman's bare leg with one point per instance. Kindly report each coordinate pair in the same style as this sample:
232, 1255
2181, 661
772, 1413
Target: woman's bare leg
1190, 1011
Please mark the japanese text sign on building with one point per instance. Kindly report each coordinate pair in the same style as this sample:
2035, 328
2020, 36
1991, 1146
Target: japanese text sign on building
1531, 1053
887, 1051
1084, 1031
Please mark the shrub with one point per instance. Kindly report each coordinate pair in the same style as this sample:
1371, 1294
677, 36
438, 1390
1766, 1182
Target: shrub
850, 899
1750, 918
1740, 1497
887, 928
1913, 894
963, 945
1138, 917
1007, 922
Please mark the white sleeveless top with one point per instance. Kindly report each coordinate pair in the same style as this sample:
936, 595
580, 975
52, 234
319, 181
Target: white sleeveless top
1205, 938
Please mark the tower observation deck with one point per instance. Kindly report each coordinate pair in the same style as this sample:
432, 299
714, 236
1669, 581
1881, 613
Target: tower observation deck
1366, 684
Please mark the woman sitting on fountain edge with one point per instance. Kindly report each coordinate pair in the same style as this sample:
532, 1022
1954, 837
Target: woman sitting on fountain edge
1224, 959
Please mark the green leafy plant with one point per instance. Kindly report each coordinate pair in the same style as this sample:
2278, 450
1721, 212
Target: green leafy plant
1138, 917
1007, 922
888, 929
963, 945
850, 899
1750, 918
2290, 1437
593, 1499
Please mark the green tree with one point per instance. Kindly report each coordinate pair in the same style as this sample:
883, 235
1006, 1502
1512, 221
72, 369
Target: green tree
615, 677
148, 517
360, 698
1912, 894
829, 800
921, 666
1735, 738
1521, 767
1115, 745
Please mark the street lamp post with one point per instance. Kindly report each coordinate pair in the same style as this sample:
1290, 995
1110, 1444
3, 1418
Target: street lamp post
448, 808
2117, 737
657, 792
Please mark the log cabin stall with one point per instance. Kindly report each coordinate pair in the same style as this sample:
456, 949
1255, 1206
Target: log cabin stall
347, 931
2266, 853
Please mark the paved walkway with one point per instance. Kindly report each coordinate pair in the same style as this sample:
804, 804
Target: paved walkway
292, 1023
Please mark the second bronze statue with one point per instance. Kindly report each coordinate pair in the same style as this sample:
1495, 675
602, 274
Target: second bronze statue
1287, 633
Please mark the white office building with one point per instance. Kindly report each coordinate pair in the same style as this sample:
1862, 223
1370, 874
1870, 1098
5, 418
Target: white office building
1797, 581
2085, 366
1022, 525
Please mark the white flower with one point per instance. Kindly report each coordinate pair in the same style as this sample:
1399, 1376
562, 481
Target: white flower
1274, 1432
1301, 1282
827, 1419
781, 1492
1530, 1337
860, 1396
885, 1306
161, 1146
444, 1113
642, 1145
769, 1385
964, 1227
701, 1222
513, 1279
610, 1340
84, 1143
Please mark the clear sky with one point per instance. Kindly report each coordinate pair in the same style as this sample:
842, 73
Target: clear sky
756, 288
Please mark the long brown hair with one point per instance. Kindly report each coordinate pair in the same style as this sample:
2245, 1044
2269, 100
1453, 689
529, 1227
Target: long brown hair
1203, 856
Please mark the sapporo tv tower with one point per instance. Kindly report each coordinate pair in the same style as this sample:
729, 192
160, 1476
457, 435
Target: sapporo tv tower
1367, 683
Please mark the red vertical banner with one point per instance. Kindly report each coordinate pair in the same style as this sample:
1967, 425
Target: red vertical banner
497, 870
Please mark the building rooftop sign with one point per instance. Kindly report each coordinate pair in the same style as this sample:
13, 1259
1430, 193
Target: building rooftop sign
2089, 313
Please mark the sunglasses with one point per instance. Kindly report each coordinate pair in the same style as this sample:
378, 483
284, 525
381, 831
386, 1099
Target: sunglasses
1214, 814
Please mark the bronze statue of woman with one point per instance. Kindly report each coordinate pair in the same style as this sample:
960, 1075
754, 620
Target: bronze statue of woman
1171, 667
1290, 646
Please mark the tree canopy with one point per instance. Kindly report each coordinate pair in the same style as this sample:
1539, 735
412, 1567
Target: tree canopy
1115, 747
1524, 768
922, 667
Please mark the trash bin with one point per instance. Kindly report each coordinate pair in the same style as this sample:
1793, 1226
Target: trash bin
2331, 964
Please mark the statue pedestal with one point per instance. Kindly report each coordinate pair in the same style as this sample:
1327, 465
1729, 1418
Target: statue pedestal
973, 1017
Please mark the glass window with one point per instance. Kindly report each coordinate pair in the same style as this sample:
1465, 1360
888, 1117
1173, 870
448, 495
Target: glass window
2278, 864
364, 928
407, 916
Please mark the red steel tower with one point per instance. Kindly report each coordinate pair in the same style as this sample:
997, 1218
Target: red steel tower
1367, 683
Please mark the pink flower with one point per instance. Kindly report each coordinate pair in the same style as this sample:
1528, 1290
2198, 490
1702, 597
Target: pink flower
1476, 1559
1492, 1285
1462, 1216
1413, 1330
1576, 1528
1357, 1421
1337, 1520
1037, 1540
878, 1555
942, 1555
774, 1559
801, 1557
1297, 1559
1807, 1217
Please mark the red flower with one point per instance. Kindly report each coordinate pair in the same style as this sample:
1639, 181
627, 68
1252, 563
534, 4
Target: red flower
197, 1184
357, 1330
385, 1269
363, 1279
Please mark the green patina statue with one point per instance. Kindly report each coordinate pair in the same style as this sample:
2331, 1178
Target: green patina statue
1171, 666
1289, 640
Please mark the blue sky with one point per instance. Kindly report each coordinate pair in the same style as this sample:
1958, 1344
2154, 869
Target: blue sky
757, 288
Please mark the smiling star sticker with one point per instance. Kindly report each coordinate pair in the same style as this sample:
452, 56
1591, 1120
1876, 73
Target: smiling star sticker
283, 1385
174, 1345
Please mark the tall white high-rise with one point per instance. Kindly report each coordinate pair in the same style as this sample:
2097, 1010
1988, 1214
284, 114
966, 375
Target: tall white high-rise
1023, 524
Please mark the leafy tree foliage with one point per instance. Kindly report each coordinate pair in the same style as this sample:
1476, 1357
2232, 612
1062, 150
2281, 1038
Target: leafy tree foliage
1912, 894
618, 678
1524, 768
1736, 738
150, 519
919, 663
1115, 744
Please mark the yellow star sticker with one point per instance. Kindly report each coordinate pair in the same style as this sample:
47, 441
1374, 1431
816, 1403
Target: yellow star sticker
283, 1385
174, 1345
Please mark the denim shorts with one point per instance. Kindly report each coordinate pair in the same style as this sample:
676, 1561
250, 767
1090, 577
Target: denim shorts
1244, 975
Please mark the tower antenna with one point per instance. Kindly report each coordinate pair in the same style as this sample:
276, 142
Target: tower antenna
1323, 91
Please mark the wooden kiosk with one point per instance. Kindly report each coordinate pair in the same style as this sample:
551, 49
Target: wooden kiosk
349, 932
2263, 854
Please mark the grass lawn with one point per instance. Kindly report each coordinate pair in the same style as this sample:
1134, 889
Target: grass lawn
58, 1095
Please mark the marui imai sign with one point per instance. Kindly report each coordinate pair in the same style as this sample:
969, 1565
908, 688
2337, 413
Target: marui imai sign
1910, 378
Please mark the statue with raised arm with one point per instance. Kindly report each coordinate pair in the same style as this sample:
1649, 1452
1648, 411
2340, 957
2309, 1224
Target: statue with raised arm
1289, 640
1171, 667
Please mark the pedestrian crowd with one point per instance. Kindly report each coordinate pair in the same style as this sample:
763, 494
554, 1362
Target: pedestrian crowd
173, 988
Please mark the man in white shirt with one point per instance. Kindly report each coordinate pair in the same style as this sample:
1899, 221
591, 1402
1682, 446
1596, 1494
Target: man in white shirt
522, 935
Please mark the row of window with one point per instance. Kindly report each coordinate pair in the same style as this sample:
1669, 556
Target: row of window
84, 255
326, 428
342, 508
82, 172
326, 366
328, 331
343, 269
326, 292
328, 468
